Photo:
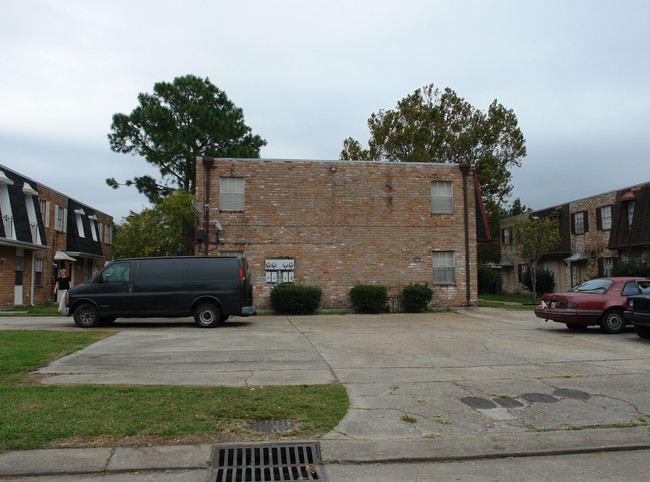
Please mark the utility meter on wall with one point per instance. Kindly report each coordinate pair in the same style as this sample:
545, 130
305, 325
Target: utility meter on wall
279, 270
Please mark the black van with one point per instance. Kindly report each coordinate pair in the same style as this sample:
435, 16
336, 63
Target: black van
210, 288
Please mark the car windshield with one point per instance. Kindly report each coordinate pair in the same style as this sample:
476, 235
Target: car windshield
593, 286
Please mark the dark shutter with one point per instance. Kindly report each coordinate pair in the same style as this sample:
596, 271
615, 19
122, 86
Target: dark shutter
585, 219
573, 223
601, 268
599, 219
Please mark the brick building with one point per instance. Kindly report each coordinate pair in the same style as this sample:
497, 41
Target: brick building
595, 233
335, 224
43, 231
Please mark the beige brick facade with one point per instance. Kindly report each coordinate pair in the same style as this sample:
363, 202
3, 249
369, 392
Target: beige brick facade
596, 232
342, 223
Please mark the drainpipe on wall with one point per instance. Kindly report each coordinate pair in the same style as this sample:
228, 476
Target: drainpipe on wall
464, 169
207, 165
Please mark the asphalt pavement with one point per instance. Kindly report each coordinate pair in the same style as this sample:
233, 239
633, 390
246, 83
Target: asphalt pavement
426, 390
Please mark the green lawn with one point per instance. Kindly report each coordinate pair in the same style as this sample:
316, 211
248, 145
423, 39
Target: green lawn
39, 310
35, 416
508, 302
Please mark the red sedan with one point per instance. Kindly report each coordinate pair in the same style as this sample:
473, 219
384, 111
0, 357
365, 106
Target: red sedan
595, 302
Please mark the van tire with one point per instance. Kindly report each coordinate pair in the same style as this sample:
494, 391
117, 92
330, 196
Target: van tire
207, 315
86, 316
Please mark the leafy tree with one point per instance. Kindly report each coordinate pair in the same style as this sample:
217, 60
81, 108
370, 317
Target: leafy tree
180, 121
491, 252
156, 231
438, 126
533, 238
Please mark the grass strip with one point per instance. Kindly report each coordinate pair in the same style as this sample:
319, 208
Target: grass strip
35, 416
505, 306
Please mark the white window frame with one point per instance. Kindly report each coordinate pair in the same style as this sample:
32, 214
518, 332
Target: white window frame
608, 264
630, 213
442, 197
507, 236
93, 226
79, 213
606, 221
579, 222
444, 267
232, 191
61, 219
38, 272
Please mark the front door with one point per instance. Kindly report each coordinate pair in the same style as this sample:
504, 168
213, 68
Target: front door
113, 289
18, 283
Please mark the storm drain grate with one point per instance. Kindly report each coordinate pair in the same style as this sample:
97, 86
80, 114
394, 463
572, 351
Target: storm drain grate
267, 463
271, 427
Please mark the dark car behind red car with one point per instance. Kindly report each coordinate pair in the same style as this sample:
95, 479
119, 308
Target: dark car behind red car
598, 301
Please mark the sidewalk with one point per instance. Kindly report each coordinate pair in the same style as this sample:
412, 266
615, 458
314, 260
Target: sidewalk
195, 462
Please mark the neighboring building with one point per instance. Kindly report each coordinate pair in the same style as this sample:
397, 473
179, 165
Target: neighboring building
335, 224
595, 233
43, 231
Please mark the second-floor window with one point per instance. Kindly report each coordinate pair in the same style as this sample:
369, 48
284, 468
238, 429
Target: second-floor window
231, 194
605, 218
579, 223
630, 213
60, 219
442, 197
507, 236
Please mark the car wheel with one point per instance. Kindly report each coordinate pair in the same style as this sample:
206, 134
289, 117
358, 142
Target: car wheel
574, 327
207, 315
86, 316
642, 331
612, 322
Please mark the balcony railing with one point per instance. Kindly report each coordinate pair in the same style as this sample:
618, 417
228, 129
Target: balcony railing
8, 222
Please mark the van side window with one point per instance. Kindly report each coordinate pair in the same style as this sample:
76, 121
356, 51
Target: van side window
154, 271
116, 273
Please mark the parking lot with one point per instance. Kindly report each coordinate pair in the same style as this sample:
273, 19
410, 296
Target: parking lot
408, 376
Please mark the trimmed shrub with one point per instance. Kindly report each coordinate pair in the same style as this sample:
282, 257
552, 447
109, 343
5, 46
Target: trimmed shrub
487, 280
369, 299
631, 267
295, 299
545, 281
415, 298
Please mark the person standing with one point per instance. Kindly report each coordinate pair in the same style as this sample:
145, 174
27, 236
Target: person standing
63, 284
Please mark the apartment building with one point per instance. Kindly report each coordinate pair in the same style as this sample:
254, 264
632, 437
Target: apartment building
42, 232
595, 233
335, 224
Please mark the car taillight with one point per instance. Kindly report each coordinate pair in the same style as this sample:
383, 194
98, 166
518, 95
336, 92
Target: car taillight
242, 273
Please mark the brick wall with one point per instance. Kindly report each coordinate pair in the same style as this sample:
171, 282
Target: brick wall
344, 223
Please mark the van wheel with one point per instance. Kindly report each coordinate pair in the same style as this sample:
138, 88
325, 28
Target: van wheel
86, 316
207, 315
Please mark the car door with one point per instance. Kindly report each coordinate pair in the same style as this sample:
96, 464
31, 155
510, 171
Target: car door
113, 292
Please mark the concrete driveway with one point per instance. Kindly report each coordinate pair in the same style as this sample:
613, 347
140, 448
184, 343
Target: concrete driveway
483, 371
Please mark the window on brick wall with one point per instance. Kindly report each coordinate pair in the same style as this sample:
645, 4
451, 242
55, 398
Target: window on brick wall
579, 223
442, 197
605, 266
443, 267
506, 236
38, 272
239, 254
231, 194
604, 218
60, 219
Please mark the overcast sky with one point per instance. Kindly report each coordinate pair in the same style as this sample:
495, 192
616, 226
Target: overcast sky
309, 74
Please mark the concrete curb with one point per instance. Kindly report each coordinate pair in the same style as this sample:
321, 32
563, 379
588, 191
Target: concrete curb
479, 446
444, 449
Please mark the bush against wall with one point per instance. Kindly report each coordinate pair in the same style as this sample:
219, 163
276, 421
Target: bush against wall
487, 280
545, 281
369, 299
416, 298
631, 267
295, 299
